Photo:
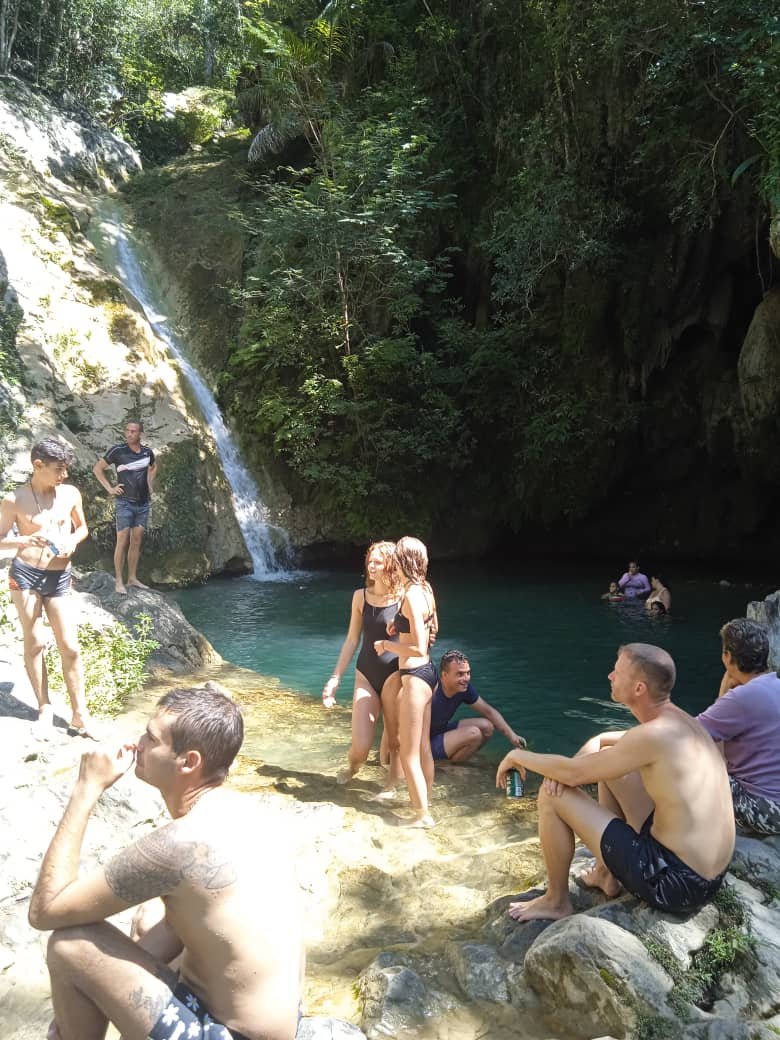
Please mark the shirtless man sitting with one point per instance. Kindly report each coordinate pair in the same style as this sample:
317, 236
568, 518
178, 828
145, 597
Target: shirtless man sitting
49, 521
225, 877
663, 826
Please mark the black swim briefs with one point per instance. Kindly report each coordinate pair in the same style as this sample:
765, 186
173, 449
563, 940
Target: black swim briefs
652, 872
186, 1018
427, 672
48, 584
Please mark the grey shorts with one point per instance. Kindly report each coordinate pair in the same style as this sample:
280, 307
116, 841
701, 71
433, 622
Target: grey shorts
131, 514
753, 812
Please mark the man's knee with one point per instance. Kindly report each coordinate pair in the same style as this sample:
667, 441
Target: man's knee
34, 642
487, 729
136, 535
70, 655
70, 946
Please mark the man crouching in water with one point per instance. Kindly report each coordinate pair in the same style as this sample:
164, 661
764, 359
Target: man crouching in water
663, 826
224, 875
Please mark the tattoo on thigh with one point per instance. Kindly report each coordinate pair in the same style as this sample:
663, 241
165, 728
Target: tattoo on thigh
156, 864
152, 1004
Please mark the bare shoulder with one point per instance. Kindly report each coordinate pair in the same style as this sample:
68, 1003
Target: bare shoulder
157, 864
70, 494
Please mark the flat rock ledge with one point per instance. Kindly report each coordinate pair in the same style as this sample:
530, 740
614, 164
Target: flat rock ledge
614, 969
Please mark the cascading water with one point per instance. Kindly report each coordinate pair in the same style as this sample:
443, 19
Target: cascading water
268, 545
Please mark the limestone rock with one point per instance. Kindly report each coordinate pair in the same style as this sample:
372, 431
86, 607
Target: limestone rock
768, 611
756, 861
59, 145
479, 970
759, 361
182, 647
394, 997
521, 996
682, 934
720, 1029
322, 1028
593, 978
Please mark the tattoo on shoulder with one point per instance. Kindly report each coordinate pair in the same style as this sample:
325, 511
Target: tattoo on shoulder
158, 863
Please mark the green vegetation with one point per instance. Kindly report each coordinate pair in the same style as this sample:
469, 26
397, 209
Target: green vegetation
114, 663
725, 947
468, 237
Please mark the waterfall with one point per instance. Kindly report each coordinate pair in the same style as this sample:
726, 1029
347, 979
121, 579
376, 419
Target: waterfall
268, 545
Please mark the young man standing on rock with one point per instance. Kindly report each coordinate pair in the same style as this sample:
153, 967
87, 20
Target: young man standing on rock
48, 518
746, 718
136, 470
223, 872
458, 741
663, 826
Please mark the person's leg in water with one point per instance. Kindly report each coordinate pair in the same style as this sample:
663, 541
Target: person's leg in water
414, 700
122, 542
626, 798
63, 624
561, 817
366, 709
29, 607
133, 555
391, 693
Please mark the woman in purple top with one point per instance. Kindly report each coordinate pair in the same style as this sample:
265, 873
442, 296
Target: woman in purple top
634, 583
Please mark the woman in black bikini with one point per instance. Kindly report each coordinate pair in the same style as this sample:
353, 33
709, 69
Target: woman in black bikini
375, 674
415, 626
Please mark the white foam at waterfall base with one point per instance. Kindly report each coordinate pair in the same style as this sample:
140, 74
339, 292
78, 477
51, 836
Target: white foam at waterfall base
268, 545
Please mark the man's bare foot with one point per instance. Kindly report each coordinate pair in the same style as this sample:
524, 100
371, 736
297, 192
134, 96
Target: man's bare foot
344, 775
119, 587
134, 583
600, 877
540, 909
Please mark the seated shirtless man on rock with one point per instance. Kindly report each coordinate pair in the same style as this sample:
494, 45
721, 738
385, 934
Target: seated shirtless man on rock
225, 878
663, 826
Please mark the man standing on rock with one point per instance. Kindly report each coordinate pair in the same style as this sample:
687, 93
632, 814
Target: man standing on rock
136, 470
48, 519
746, 719
663, 826
223, 871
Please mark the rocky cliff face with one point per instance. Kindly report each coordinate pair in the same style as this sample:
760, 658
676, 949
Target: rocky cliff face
78, 358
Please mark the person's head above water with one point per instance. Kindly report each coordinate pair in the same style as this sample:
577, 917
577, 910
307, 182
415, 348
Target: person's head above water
747, 642
411, 559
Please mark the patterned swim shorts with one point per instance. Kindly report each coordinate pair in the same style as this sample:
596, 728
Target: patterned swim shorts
753, 812
185, 1018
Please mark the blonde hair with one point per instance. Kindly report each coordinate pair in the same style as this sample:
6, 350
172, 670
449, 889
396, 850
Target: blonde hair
386, 551
411, 560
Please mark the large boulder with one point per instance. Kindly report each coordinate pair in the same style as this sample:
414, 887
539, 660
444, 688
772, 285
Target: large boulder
593, 978
182, 648
768, 611
759, 361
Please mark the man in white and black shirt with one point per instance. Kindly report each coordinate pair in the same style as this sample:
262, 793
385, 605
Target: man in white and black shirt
135, 472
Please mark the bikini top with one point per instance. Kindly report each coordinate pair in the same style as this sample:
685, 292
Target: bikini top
402, 623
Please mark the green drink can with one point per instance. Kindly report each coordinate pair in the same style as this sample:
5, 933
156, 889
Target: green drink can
514, 784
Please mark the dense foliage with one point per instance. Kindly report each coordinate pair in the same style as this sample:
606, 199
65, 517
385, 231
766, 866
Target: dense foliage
475, 229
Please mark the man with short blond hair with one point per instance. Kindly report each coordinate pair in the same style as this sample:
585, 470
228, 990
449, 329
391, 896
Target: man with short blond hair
663, 826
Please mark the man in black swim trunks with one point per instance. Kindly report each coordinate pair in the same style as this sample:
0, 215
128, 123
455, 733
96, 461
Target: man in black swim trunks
220, 876
663, 826
49, 523
136, 470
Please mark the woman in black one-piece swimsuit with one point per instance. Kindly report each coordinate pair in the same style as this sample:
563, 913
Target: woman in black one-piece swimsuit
376, 675
415, 626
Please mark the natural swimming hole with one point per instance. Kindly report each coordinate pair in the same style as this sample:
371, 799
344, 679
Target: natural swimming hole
540, 641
